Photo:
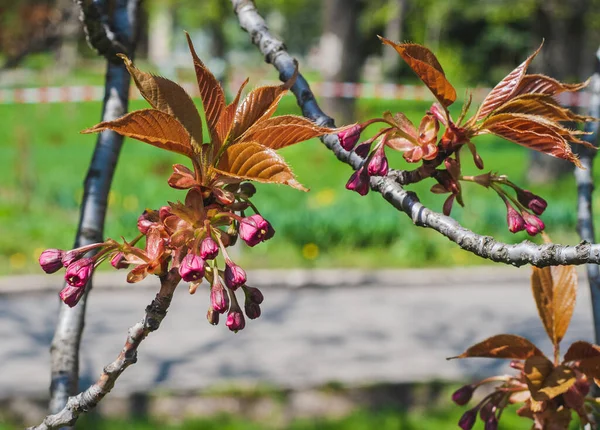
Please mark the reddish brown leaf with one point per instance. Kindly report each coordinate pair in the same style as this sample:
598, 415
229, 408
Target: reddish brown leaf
226, 120
542, 105
505, 88
151, 126
541, 84
211, 93
555, 290
170, 98
581, 350
253, 161
503, 346
535, 135
428, 69
591, 368
284, 130
536, 370
258, 105
558, 382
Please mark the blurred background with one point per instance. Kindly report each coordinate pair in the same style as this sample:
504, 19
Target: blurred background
51, 88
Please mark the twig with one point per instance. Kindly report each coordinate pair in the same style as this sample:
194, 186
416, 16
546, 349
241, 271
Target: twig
65, 344
88, 399
390, 186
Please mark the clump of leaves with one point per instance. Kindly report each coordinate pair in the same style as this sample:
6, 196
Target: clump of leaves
549, 389
521, 108
193, 236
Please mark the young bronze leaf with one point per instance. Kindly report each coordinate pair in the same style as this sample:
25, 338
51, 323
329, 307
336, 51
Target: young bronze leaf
541, 84
284, 130
253, 161
226, 119
211, 93
536, 370
151, 126
535, 135
505, 88
542, 105
581, 350
170, 98
503, 346
427, 68
258, 105
555, 290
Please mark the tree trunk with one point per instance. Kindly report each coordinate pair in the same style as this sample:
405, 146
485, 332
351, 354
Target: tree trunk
563, 28
340, 50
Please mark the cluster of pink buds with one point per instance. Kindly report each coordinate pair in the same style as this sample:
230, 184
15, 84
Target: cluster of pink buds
191, 237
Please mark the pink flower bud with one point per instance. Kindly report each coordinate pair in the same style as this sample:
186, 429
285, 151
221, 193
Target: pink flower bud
462, 396
514, 219
144, 222
533, 224
235, 276
235, 319
252, 310
209, 249
378, 166
219, 298
491, 423
487, 411
71, 256
467, 421
70, 295
118, 261
51, 260
191, 268
535, 203
79, 272
164, 212
255, 229
363, 150
212, 316
359, 182
350, 136
253, 294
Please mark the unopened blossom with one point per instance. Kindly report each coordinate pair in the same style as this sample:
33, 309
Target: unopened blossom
349, 137
212, 316
234, 275
247, 189
533, 225
491, 423
70, 295
534, 202
467, 421
79, 272
118, 261
514, 219
209, 249
219, 298
462, 396
191, 268
252, 310
359, 182
253, 294
255, 229
51, 260
363, 150
235, 319
378, 166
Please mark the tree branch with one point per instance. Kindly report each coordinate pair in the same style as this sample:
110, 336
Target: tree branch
390, 186
88, 399
65, 344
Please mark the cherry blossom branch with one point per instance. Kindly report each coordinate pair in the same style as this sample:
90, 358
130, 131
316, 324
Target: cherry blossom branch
390, 186
67, 336
88, 399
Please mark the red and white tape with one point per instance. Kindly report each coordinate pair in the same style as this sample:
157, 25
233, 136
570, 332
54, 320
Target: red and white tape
387, 91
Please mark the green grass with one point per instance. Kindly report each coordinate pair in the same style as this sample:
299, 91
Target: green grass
43, 162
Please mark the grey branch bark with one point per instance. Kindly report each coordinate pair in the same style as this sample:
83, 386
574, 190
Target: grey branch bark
390, 186
585, 187
88, 399
65, 344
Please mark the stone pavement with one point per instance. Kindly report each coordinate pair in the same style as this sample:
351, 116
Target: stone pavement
321, 326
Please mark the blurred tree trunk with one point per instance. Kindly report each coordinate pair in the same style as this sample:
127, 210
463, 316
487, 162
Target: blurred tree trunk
393, 31
563, 26
340, 51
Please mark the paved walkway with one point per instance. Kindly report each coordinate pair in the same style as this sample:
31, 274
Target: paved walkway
317, 327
